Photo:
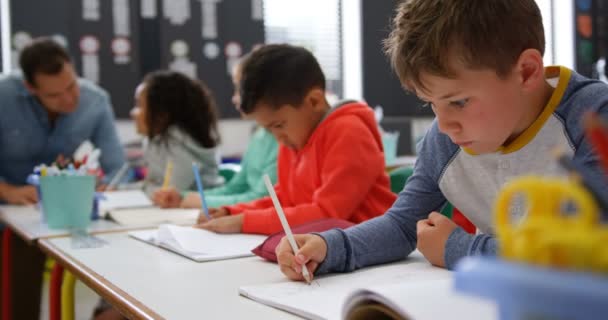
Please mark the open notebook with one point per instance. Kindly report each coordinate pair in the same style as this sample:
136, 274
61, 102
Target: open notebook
123, 199
412, 289
198, 244
153, 216
134, 208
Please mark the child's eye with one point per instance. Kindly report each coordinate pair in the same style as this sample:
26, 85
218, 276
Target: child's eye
459, 103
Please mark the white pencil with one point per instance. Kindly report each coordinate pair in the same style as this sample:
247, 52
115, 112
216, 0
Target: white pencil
118, 176
286, 228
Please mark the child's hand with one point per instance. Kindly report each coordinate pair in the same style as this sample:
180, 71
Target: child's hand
432, 235
192, 201
214, 213
167, 198
313, 250
230, 224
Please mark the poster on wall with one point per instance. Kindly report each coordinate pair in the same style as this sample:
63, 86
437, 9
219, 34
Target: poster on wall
208, 40
586, 41
201, 38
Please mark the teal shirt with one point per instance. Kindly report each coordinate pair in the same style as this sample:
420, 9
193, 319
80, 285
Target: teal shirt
259, 159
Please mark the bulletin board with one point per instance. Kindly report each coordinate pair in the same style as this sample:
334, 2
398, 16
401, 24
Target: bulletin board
586, 37
206, 38
115, 43
380, 84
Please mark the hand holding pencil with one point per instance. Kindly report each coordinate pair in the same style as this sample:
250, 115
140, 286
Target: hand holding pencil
312, 251
292, 252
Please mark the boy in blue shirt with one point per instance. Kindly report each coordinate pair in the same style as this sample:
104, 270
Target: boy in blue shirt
478, 64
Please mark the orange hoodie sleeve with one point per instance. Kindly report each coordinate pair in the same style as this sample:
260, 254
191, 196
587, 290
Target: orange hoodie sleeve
352, 163
261, 203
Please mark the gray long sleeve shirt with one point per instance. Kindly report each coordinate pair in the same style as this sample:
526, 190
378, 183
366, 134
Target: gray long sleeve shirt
471, 182
182, 150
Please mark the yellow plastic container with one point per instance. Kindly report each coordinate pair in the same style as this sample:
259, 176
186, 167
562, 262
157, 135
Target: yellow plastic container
562, 228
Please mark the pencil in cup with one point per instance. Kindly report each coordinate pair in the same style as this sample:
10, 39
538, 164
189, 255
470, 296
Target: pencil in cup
199, 186
168, 172
286, 228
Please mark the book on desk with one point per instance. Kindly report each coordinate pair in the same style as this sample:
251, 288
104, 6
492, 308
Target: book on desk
134, 208
410, 289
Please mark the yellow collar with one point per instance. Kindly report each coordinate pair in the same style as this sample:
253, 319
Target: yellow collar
525, 137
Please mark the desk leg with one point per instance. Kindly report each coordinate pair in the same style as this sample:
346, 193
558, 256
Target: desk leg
67, 296
6, 274
55, 292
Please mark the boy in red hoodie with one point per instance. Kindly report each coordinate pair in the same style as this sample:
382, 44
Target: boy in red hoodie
330, 160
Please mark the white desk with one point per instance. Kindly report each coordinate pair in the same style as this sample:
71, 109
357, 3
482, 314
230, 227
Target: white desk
27, 223
144, 281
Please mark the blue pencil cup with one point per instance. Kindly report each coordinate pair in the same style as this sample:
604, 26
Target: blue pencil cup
389, 142
531, 292
67, 200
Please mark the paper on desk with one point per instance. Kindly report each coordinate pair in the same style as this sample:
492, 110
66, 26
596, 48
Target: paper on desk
154, 216
200, 244
123, 199
400, 283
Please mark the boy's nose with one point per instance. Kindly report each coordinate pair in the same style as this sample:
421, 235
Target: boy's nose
281, 138
447, 125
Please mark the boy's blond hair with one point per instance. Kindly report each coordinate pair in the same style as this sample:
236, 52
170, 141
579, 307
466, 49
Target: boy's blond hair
480, 34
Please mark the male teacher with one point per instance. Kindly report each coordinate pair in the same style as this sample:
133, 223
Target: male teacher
45, 111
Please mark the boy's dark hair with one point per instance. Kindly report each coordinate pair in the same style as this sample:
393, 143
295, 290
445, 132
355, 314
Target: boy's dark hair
278, 74
43, 55
481, 34
174, 99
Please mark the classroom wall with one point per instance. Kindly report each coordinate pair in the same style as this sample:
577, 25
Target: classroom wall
101, 36
235, 135
203, 39
352, 74
563, 33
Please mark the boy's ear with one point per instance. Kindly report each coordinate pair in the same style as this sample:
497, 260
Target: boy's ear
30, 87
530, 69
316, 98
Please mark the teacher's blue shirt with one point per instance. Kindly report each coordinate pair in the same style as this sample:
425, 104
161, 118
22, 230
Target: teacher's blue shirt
27, 138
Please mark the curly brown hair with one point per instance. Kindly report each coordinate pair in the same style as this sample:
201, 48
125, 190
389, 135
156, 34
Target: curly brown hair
175, 100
